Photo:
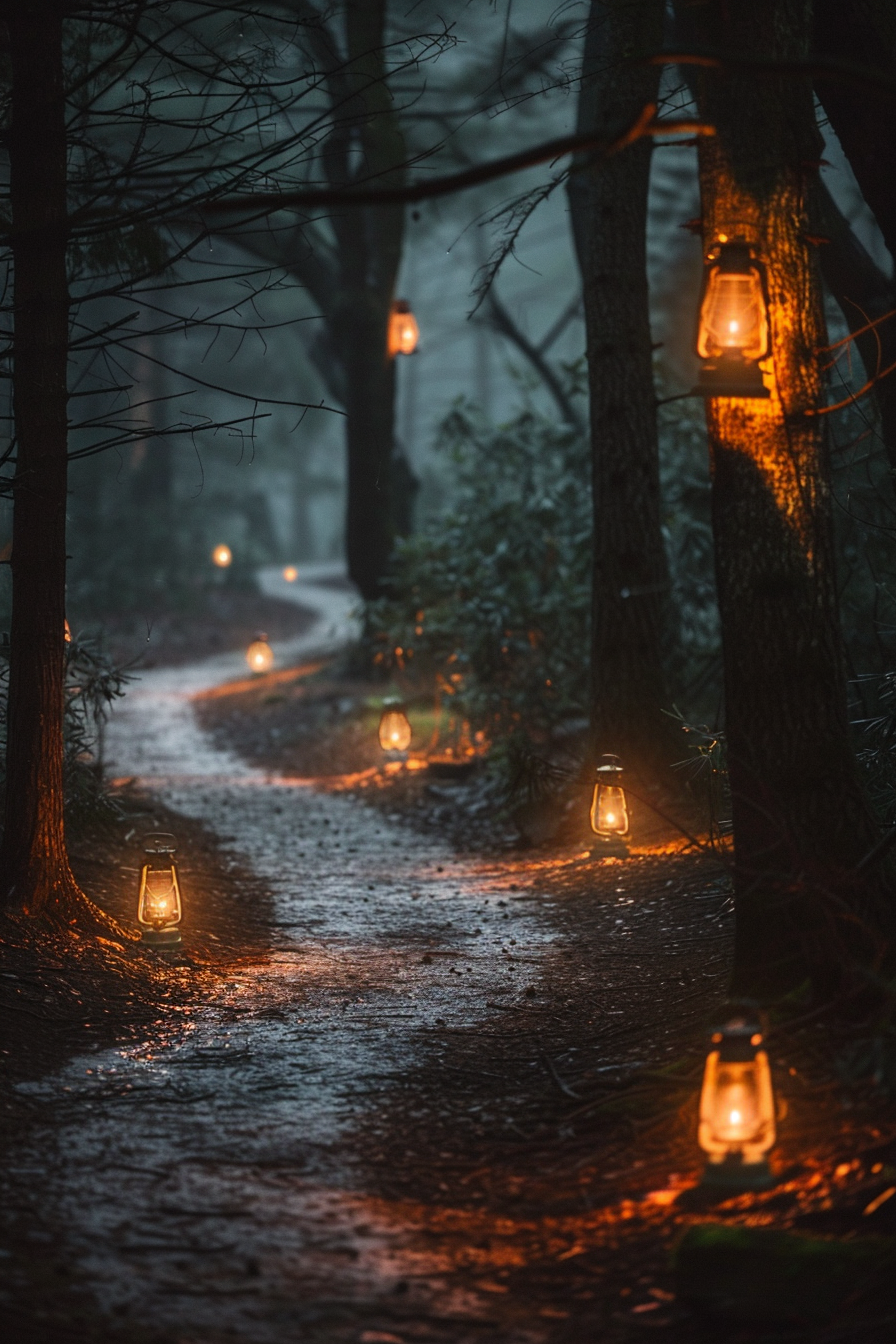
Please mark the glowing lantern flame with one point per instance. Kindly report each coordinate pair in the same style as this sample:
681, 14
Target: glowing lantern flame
403, 330
737, 1107
733, 332
395, 729
290, 573
68, 633
609, 811
159, 904
222, 556
260, 655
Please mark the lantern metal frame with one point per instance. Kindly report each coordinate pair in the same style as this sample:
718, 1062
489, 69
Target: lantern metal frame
732, 374
160, 933
607, 777
742, 1163
393, 704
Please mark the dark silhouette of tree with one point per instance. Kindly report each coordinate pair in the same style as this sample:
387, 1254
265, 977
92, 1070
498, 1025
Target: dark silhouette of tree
349, 266
865, 33
100, 183
801, 823
34, 867
631, 627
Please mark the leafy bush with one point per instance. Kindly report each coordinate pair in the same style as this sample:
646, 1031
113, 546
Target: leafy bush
492, 599
92, 683
696, 666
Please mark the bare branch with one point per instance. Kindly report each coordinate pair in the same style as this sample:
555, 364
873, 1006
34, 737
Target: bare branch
591, 147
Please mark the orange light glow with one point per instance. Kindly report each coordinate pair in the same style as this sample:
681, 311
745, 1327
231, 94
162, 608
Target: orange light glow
733, 331
222, 556
68, 633
260, 655
403, 330
395, 729
290, 573
737, 1108
609, 810
159, 904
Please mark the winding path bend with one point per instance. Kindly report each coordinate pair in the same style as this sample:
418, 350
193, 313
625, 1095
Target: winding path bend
205, 1178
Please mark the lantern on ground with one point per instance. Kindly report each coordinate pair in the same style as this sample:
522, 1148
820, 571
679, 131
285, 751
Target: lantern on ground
159, 905
403, 330
737, 1107
395, 729
222, 556
290, 573
732, 336
260, 655
609, 812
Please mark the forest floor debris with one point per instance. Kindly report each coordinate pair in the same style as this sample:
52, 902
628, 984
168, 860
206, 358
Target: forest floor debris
515, 1161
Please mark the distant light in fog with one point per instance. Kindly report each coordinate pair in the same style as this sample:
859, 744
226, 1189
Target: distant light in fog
221, 556
260, 655
403, 330
290, 573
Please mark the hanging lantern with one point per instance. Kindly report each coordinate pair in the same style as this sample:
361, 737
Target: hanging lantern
609, 813
395, 729
260, 655
159, 906
737, 1107
403, 330
222, 556
733, 330
290, 573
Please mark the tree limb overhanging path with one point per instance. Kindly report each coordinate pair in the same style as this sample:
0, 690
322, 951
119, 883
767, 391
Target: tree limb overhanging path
591, 147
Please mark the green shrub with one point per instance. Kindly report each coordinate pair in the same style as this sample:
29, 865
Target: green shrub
92, 683
492, 599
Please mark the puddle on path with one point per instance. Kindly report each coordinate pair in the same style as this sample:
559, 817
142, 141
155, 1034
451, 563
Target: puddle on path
203, 1177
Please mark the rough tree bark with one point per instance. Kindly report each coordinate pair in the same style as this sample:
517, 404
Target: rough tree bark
630, 604
34, 871
801, 823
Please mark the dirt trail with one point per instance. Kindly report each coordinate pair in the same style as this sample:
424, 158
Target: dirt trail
202, 1177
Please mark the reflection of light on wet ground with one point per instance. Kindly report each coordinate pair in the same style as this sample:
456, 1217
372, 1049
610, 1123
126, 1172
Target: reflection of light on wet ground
203, 1174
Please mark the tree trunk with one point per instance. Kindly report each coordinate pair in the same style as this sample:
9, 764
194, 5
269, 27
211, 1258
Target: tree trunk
369, 427
369, 253
801, 823
864, 31
864, 294
630, 604
35, 872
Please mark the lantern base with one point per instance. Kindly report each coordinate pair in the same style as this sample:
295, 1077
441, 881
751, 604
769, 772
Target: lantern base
730, 379
609, 847
161, 937
733, 1176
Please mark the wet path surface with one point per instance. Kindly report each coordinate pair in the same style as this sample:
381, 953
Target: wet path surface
206, 1178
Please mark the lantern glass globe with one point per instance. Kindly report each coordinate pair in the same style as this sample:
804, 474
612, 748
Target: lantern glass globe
403, 330
395, 728
260, 656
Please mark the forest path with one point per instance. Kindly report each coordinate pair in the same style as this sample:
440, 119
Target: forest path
205, 1179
